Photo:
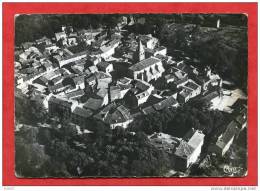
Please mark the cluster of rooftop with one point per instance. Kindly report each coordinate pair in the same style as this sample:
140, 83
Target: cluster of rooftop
88, 75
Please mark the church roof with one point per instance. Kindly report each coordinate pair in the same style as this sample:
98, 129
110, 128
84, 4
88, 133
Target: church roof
144, 64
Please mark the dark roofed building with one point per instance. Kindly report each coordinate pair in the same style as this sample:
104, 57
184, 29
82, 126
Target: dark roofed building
79, 82
139, 93
56, 80
210, 96
62, 61
105, 67
141, 85
118, 91
148, 41
93, 104
191, 85
166, 103
144, 64
115, 116
114, 93
121, 117
75, 94
124, 81
164, 142
104, 112
148, 110
184, 95
41, 80
57, 88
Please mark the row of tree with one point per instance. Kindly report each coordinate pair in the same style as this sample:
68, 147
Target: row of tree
177, 122
44, 152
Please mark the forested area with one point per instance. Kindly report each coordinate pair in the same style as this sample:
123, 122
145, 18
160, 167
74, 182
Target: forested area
54, 151
177, 122
45, 152
31, 27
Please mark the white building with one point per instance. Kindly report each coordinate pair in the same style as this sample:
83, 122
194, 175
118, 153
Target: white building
188, 150
225, 139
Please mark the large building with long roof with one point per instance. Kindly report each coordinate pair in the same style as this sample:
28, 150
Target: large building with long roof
147, 69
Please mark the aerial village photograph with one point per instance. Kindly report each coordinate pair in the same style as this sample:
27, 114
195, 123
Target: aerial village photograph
130, 95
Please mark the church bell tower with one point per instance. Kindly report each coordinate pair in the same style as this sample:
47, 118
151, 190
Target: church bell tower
139, 54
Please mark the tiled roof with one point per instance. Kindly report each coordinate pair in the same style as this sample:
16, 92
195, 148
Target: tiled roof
82, 112
52, 74
141, 85
103, 113
124, 111
115, 88
170, 101
184, 149
43, 79
57, 79
91, 78
144, 64
84, 53
120, 115
185, 92
103, 64
145, 38
183, 80
102, 75
125, 87
148, 110
75, 94
78, 79
56, 87
124, 80
93, 104
192, 85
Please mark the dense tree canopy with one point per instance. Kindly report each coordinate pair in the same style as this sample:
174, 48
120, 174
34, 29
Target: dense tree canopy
31, 27
29, 112
177, 122
118, 153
